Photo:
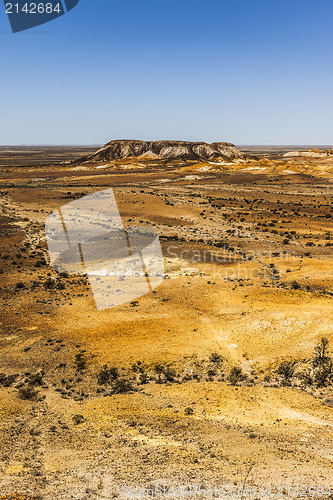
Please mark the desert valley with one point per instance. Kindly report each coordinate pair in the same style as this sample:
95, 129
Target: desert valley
221, 377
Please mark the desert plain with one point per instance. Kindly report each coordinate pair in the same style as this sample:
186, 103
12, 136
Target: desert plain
220, 379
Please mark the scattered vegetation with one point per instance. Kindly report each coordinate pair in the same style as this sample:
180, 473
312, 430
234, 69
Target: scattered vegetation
315, 372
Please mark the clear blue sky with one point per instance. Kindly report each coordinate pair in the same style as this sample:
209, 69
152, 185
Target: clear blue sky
244, 71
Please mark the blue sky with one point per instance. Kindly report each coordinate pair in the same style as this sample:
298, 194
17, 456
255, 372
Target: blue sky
244, 71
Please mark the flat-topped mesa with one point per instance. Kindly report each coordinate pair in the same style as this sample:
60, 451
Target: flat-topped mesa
165, 150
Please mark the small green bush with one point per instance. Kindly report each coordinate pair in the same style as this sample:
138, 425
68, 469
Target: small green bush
27, 393
80, 362
159, 367
324, 374
236, 375
321, 352
286, 369
137, 367
169, 375
211, 373
78, 419
295, 285
121, 386
7, 381
36, 379
107, 374
215, 357
49, 283
143, 378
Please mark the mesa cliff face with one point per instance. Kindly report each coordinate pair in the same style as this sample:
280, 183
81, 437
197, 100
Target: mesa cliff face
165, 150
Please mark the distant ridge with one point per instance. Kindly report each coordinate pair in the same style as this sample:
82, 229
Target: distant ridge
164, 150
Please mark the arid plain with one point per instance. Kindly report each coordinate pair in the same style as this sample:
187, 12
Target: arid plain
220, 378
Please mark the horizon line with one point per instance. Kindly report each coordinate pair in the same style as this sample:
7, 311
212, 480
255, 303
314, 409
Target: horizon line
100, 145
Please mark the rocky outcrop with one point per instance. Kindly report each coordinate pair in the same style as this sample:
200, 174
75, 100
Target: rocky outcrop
312, 153
164, 150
